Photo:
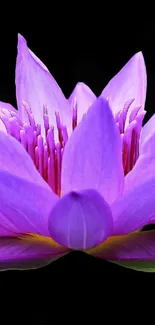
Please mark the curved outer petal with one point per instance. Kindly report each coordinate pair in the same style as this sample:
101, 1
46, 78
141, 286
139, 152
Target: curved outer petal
92, 156
15, 159
28, 253
81, 220
36, 86
82, 97
147, 138
129, 82
135, 208
138, 246
143, 170
8, 106
24, 206
37, 59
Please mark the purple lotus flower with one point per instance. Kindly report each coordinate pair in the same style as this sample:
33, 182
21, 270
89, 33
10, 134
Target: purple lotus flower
76, 173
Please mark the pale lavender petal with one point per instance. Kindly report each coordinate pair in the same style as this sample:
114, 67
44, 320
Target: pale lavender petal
82, 97
37, 60
8, 106
28, 253
148, 147
24, 206
81, 220
93, 155
143, 170
130, 82
135, 208
15, 159
138, 246
147, 139
36, 86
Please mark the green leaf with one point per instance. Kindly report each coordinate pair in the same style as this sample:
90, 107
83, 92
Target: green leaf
143, 266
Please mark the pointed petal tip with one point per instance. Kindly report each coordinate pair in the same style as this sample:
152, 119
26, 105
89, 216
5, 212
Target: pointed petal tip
32, 75
81, 85
138, 60
82, 97
21, 39
138, 57
104, 100
139, 54
129, 82
101, 104
21, 45
104, 103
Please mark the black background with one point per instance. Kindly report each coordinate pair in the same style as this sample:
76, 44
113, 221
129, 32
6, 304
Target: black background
77, 46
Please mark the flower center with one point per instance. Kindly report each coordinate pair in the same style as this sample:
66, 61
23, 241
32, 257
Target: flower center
47, 153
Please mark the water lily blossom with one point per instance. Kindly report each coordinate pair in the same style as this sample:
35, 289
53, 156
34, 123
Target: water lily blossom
77, 173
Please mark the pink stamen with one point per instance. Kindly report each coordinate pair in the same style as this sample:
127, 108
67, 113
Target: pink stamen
74, 119
40, 154
65, 134
45, 164
125, 157
29, 114
132, 149
38, 129
50, 140
36, 158
126, 109
134, 114
30, 139
60, 129
14, 127
6, 112
122, 114
46, 120
51, 173
58, 167
5, 120
35, 138
23, 139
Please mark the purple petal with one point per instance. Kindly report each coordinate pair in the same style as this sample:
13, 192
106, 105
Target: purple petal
147, 139
15, 159
28, 253
82, 97
92, 156
81, 220
136, 246
143, 170
36, 86
24, 206
135, 208
7, 106
129, 82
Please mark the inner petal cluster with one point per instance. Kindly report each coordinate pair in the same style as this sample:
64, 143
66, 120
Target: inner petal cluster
47, 154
